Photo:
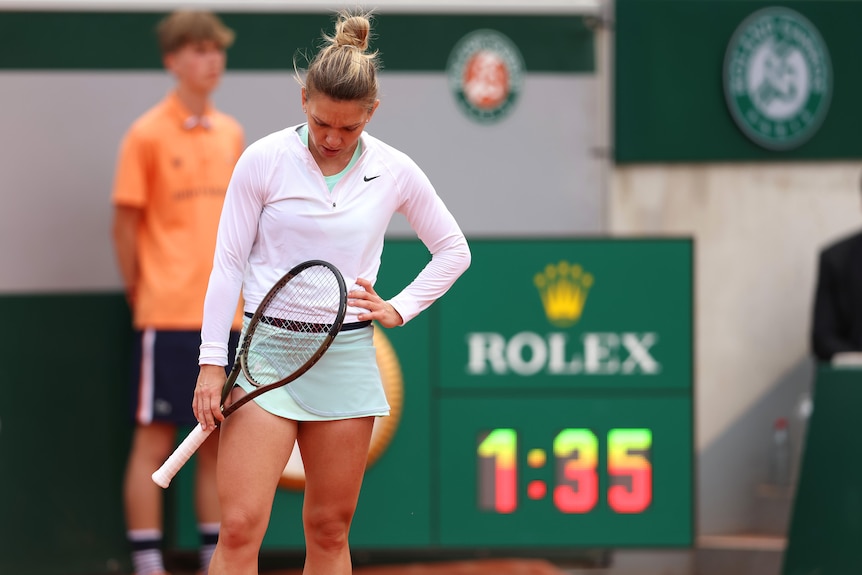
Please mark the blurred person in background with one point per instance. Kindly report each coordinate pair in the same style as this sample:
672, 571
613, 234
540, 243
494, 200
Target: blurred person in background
172, 173
837, 322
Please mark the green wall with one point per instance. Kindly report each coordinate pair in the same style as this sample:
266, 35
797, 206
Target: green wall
64, 433
669, 103
266, 41
825, 529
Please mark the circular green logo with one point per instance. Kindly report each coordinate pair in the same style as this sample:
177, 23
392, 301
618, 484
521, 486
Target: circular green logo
777, 78
486, 74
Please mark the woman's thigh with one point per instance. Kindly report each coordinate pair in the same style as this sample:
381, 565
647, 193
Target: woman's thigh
334, 454
254, 447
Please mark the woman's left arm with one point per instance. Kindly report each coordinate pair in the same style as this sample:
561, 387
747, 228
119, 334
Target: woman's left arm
436, 227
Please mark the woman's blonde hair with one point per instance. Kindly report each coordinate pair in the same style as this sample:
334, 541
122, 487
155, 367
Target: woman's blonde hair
344, 69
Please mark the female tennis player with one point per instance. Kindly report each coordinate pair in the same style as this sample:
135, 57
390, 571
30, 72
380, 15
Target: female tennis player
322, 190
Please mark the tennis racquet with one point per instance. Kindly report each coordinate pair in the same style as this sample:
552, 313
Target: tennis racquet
291, 329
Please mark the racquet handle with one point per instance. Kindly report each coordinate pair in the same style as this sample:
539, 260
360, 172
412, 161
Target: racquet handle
181, 454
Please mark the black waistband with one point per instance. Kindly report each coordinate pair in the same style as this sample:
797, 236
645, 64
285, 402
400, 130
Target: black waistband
308, 327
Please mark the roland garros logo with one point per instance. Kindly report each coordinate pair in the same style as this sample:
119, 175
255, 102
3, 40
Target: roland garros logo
777, 78
486, 74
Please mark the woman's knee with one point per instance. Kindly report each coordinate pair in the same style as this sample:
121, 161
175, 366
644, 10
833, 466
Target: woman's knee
327, 531
240, 529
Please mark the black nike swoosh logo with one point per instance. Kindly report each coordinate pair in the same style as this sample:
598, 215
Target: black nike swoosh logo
367, 179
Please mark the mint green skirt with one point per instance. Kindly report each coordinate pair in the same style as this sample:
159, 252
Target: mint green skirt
345, 383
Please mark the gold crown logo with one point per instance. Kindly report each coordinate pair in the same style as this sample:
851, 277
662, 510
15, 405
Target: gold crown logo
563, 288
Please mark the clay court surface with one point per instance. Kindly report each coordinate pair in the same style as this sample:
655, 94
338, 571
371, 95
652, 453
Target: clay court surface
466, 567
474, 567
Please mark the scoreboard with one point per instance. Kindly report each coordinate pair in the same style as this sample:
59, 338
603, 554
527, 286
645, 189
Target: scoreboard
544, 402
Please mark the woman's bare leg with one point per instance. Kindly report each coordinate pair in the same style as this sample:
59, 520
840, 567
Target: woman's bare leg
253, 449
334, 454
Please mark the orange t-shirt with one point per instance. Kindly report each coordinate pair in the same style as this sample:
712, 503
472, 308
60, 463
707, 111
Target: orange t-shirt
176, 168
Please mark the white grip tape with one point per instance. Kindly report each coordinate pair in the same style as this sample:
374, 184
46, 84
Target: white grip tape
181, 454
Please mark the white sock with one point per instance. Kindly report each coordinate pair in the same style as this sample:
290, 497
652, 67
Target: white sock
209, 537
146, 551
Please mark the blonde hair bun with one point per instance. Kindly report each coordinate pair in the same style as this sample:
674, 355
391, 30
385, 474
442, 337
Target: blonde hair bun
344, 68
353, 30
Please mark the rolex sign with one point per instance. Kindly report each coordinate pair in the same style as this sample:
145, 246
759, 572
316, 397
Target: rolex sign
585, 313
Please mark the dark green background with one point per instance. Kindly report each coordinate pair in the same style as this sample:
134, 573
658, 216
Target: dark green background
269, 41
64, 432
538, 418
639, 286
669, 93
825, 527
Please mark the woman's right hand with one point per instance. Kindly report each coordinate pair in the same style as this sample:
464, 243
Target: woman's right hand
207, 401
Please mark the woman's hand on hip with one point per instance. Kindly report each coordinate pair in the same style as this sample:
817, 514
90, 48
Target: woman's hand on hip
376, 307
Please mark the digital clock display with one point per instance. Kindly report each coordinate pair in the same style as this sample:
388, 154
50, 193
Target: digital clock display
566, 470
576, 483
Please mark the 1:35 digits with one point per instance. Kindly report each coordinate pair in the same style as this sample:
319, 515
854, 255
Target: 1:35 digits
575, 458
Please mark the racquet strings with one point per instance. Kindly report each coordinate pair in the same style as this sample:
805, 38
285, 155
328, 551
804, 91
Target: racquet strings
292, 326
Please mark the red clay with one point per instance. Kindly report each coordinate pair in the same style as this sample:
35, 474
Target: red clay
479, 567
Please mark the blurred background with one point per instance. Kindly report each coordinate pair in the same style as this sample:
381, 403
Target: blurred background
663, 172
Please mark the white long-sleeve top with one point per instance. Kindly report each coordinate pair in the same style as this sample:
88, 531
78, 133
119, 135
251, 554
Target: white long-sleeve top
279, 212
